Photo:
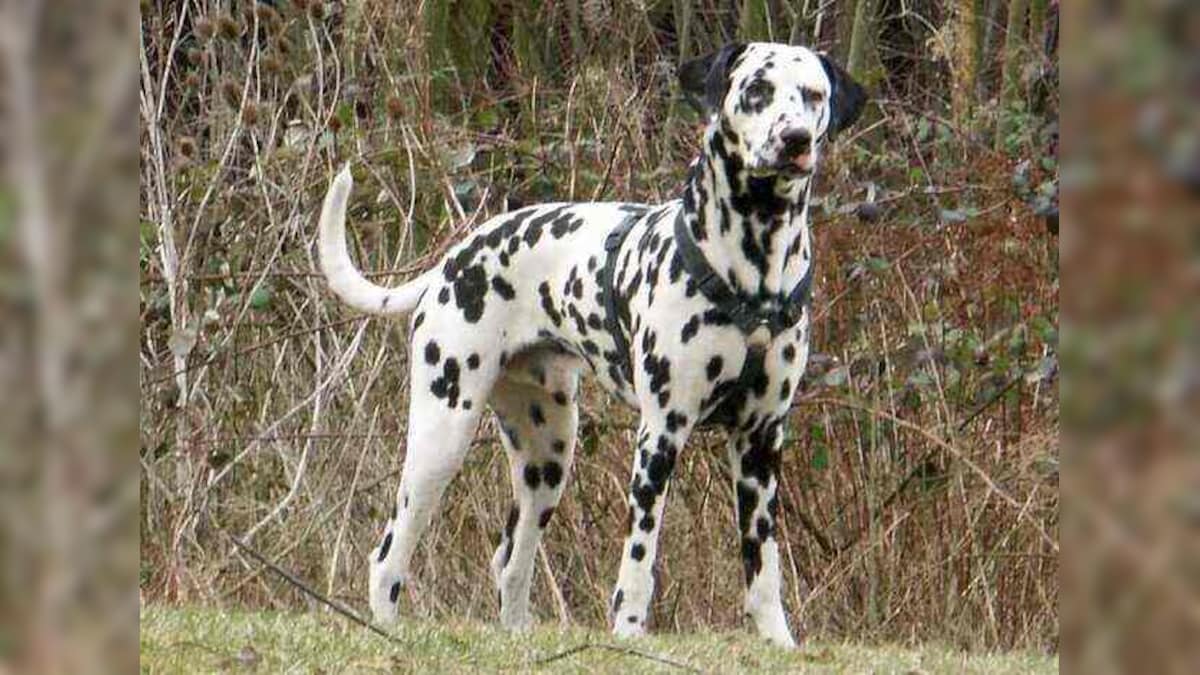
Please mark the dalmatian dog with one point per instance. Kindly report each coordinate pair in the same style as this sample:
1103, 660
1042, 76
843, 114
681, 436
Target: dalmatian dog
695, 312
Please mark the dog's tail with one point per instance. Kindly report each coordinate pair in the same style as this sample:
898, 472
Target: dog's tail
346, 281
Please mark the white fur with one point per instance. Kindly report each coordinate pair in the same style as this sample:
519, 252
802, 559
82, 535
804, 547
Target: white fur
344, 278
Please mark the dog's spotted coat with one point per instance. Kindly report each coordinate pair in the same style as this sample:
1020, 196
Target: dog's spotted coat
514, 314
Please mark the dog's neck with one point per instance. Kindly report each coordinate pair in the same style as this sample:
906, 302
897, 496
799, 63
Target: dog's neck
753, 231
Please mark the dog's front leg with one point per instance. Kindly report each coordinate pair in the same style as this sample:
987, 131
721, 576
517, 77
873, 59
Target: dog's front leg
660, 438
754, 456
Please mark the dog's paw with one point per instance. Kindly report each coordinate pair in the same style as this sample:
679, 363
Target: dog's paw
776, 633
784, 641
628, 627
384, 593
516, 623
772, 625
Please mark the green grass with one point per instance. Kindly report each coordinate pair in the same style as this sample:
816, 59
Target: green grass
195, 639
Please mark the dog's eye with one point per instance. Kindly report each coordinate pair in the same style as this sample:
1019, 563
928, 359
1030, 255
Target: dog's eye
757, 92
813, 96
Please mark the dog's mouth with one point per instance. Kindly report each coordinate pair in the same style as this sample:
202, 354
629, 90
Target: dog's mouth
803, 163
792, 169
782, 165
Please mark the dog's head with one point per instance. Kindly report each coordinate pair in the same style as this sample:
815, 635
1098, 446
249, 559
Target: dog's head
773, 104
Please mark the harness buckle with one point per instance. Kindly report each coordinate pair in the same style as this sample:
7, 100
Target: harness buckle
761, 335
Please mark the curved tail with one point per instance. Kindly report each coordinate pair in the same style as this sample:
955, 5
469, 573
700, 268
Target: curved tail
344, 279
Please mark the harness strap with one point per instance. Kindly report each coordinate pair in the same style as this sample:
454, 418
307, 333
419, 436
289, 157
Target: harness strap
608, 280
776, 314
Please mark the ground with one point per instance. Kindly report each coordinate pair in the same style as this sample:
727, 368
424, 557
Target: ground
193, 639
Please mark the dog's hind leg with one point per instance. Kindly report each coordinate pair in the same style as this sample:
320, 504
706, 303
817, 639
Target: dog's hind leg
538, 417
451, 382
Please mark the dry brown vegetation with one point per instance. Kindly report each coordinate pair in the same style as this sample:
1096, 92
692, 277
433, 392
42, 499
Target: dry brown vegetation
920, 491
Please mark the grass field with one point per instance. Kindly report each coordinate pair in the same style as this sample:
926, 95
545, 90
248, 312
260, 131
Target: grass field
209, 640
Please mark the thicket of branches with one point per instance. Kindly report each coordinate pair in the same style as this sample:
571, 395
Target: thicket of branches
919, 497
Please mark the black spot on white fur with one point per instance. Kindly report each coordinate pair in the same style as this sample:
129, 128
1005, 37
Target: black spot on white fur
386, 545
446, 386
552, 473
514, 514
713, 369
503, 288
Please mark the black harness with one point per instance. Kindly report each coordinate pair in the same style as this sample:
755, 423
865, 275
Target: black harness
776, 314
608, 286
750, 315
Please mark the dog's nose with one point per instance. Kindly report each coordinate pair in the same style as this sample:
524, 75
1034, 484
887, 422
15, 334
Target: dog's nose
796, 142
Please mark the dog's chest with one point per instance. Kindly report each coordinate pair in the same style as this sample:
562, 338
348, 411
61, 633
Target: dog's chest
686, 351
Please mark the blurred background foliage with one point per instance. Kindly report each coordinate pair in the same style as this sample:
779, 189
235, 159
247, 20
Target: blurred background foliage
68, 335
1131, 488
920, 491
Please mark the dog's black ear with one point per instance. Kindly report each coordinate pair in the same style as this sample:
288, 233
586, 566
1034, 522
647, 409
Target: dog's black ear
846, 99
705, 80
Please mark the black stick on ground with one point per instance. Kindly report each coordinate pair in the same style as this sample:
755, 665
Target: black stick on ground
303, 587
614, 648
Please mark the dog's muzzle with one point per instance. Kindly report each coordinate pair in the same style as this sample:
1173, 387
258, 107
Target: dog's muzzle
797, 155
797, 143
794, 158
800, 168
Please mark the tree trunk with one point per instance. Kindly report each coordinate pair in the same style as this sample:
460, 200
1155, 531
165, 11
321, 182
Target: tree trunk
980, 33
754, 21
1037, 22
965, 62
683, 29
989, 28
458, 35
578, 47
858, 60
1011, 85
528, 37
